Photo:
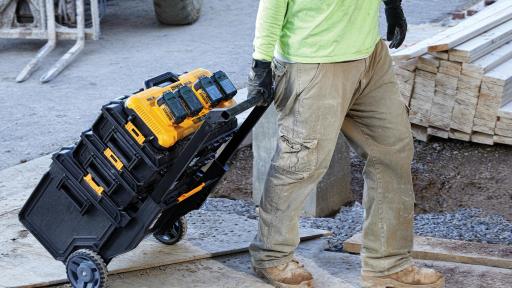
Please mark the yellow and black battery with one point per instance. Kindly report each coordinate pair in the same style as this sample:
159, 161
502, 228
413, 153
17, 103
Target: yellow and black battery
164, 125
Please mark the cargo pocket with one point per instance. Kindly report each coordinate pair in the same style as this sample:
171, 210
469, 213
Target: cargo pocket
278, 73
297, 158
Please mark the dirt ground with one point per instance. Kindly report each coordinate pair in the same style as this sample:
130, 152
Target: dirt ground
447, 175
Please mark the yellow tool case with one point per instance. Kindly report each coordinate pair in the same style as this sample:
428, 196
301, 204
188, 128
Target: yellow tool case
147, 161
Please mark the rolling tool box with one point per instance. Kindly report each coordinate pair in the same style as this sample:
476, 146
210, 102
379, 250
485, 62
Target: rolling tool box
147, 161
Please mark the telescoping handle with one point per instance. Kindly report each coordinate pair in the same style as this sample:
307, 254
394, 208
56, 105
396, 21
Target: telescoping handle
225, 114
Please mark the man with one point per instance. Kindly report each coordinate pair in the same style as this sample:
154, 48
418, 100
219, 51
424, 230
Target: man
332, 72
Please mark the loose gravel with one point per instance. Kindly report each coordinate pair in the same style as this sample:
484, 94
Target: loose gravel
465, 224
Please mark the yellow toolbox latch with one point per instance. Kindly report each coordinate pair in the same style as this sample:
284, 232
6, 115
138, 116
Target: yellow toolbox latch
97, 188
135, 132
113, 159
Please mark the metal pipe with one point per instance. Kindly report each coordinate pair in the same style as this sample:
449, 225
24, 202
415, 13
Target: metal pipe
46, 49
65, 60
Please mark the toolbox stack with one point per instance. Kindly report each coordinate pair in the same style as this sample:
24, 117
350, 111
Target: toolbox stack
146, 161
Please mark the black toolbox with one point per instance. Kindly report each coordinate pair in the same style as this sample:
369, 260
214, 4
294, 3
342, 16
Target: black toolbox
101, 197
104, 172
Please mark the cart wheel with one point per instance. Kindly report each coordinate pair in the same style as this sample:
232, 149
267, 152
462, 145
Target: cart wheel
86, 269
173, 234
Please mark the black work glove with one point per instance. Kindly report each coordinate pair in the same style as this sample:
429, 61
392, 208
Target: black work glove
260, 82
397, 24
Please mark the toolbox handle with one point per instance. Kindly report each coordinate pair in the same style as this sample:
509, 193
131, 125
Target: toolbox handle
167, 77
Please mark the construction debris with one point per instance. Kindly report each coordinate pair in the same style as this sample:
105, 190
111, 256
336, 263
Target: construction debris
458, 83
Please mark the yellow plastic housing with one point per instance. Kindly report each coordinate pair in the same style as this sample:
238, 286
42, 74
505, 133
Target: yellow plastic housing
157, 119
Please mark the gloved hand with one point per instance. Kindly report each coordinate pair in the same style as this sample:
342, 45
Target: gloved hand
397, 24
260, 82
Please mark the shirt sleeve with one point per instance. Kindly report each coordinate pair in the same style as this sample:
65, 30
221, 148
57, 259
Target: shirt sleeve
269, 23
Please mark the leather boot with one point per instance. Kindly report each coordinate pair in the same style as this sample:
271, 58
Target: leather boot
288, 275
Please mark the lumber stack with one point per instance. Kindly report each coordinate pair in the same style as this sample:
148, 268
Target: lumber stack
458, 83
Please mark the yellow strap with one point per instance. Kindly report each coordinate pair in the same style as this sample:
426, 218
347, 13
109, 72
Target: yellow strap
135, 132
113, 158
97, 188
191, 192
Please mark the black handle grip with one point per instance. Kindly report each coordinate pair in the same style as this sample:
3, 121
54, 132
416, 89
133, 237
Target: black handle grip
167, 77
225, 114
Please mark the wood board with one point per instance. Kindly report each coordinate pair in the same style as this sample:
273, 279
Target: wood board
472, 28
428, 248
481, 45
421, 47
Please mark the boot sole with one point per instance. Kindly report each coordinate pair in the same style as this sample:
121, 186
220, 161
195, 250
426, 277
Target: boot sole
374, 282
304, 284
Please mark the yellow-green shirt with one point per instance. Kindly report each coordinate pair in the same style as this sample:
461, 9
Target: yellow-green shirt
316, 31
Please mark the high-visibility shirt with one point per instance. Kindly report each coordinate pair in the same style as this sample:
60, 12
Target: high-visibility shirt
316, 31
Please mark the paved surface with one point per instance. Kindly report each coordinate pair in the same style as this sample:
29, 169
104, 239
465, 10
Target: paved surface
38, 119
331, 270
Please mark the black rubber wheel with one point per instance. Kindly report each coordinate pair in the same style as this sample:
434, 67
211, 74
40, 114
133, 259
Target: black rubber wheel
177, 12
173, 234
86, 269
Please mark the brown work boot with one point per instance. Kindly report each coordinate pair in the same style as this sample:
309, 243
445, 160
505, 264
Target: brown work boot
410, 277
288, 275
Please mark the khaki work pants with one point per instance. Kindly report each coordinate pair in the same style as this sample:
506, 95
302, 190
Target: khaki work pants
314, 102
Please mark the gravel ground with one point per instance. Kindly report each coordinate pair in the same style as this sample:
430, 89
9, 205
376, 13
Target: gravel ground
465, 224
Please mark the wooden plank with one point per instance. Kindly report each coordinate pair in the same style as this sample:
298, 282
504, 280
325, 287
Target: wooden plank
484, 126
503, 139
506, 111
503, 132
488, 62
421, 99
436, 249
504, 121
444, 96
421, 47
458, 135
441, 55
464, 109
428, 63
482, 138
470, 29
438, 132
420, 133
409, 65
482, 44
495, 91
501, 75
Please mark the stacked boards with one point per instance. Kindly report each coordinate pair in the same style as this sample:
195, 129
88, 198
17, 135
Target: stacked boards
458, 83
